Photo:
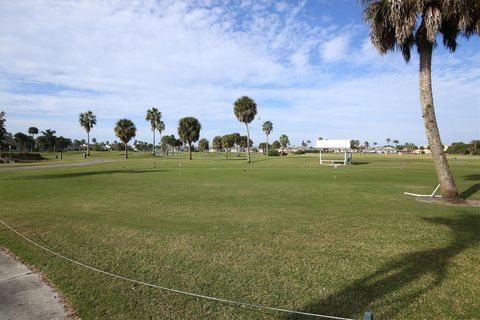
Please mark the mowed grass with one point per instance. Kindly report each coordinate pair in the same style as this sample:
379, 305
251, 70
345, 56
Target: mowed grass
281, 232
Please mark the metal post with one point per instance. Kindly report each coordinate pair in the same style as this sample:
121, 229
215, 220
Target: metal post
368, 315
320, 155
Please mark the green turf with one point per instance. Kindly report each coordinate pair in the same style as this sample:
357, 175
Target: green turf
281, 232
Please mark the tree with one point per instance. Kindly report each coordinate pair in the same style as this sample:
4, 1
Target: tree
284, 142
189, 131
33, 131
154, 116
263, 146
62, 143
88, 120
167, 143
236, 140
267, 129
125, 130
388, 141
396, 142
203, 145
366, 144
160, 128
48, 139
245, 110
217, 143
276, 144
394, 26
3, 129
375, 144
228, 141
244, 142
354, 144
22, 141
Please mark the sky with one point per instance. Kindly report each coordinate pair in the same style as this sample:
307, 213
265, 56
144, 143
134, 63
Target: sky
309, 66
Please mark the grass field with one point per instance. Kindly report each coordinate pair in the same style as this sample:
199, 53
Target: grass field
282, 232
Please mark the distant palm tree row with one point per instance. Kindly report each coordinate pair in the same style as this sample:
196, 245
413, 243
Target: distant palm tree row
244, 108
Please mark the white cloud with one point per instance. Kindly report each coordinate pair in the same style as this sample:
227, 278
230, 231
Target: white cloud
335, 49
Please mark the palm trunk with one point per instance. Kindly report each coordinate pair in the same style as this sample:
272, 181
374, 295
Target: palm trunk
160, 144
88, 143
248, 144
153, 148
445, 178
267, 147
190, 150
126, 151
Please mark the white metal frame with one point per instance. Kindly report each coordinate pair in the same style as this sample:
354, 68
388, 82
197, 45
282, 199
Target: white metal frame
334, 144
424, 195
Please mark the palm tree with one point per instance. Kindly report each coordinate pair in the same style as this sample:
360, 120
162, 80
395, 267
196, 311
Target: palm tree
189, 131
217, 143
154, 116
245, 110
125, 130
62, 143
33, 131
388, 141
160, 128
267, 128
3, 130
203, 145
394, 26
49, 139
284, 141
88, 120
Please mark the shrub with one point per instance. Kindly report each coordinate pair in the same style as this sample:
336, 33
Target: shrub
299, 152
273, 153
21, 156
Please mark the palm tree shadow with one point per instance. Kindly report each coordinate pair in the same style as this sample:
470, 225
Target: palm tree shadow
389, 290
82, 174
470, 191
472, 177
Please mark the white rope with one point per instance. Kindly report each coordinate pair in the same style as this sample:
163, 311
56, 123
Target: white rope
238, 303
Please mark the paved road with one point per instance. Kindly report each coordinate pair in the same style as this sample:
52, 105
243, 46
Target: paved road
58, 165
24, 295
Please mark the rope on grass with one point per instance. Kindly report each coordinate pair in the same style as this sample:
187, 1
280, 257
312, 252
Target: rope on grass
196, 295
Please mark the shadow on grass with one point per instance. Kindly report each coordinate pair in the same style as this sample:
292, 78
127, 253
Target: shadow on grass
472, 177
392, 287
232, 158
356, 163
470, 191
82, 174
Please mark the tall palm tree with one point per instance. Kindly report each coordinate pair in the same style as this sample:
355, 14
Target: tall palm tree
154, 116
245, 110
189, 131
88, 120
267, 128
125, 130
33, 131
394, 26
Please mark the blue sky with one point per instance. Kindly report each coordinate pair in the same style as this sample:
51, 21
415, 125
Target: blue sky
308, 64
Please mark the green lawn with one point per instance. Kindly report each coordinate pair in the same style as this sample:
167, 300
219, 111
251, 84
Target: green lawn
281, 232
